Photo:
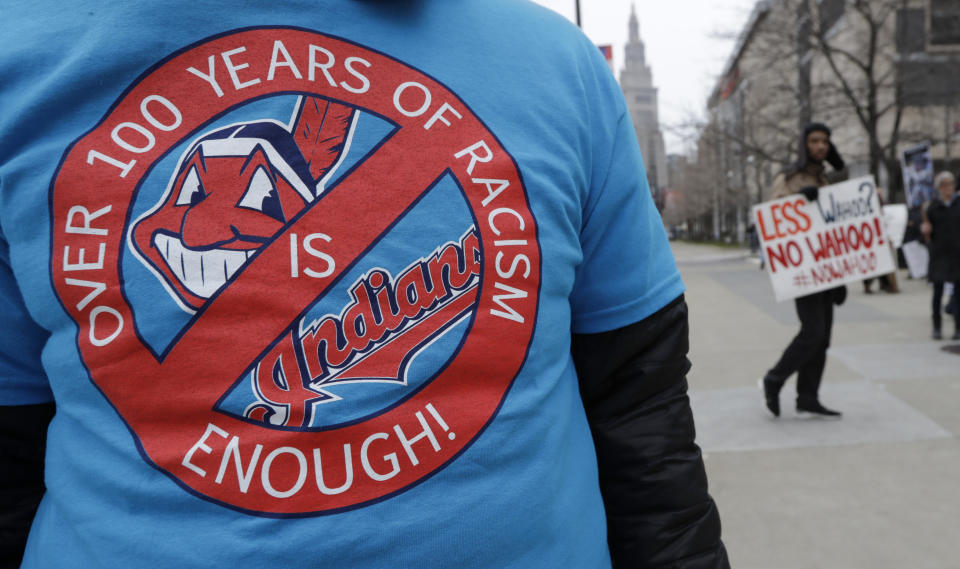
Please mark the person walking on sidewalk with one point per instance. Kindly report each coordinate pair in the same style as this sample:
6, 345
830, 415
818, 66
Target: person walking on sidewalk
941, 229
807, 353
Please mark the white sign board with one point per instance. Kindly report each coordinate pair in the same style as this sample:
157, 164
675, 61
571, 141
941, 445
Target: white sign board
815, 246
895, 219
918, 258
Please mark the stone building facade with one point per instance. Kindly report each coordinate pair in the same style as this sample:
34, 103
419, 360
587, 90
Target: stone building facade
780, 77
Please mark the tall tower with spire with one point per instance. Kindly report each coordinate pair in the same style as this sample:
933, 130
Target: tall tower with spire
636, 81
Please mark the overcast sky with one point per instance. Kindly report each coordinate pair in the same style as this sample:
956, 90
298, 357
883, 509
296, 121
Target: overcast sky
688, 42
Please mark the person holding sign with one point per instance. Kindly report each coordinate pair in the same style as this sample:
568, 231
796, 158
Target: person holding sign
941, 229
807, 353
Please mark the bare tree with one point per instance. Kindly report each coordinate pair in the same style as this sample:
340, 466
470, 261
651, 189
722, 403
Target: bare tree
691, 202
855, 44
837, 61
831, 60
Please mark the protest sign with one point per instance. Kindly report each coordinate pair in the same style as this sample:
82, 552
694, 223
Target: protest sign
895, 220
917, 257
814, 246
916, 163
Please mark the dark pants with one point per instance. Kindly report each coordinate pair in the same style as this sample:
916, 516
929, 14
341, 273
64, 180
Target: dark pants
807, 353
938, 305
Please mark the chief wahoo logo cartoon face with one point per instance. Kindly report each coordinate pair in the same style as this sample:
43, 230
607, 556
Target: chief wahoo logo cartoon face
235, 188
417, 310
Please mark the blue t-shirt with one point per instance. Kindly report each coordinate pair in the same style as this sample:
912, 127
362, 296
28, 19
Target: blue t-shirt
301, 278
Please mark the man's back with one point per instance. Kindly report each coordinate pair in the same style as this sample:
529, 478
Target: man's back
304, 276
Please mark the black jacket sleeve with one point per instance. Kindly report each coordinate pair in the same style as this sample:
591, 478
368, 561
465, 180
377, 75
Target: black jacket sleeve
23, 435
652, 477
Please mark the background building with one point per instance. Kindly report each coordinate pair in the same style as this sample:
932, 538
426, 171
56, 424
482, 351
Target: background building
884, 74
636, 81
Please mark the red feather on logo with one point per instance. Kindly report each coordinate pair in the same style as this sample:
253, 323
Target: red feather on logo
321, 132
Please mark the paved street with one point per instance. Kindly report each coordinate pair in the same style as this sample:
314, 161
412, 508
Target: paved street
876, 490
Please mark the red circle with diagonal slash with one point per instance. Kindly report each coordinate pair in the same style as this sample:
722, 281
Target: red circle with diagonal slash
169, 404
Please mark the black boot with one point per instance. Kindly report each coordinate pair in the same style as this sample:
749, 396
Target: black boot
813, 407
771, 393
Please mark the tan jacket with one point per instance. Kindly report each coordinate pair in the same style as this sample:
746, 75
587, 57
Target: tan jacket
810, 175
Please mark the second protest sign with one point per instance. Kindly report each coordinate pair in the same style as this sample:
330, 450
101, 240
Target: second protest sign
810, 246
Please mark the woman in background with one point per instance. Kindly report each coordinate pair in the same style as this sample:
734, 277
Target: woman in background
941, 229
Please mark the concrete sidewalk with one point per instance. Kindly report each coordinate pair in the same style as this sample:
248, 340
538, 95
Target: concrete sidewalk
875, 490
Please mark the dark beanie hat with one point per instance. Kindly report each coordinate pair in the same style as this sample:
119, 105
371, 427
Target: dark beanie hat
815, 127
833, 156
